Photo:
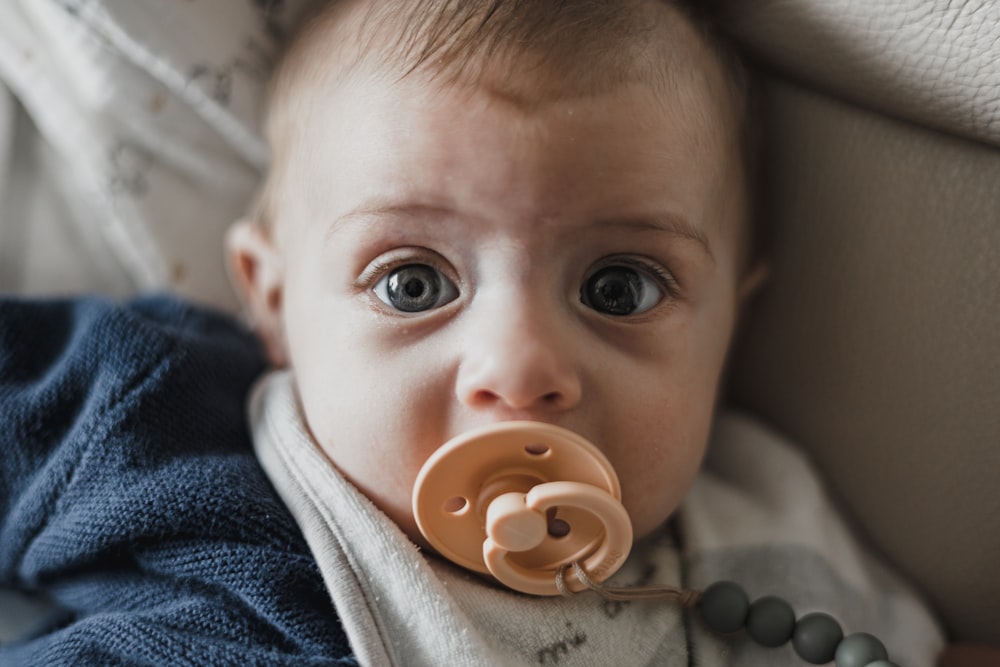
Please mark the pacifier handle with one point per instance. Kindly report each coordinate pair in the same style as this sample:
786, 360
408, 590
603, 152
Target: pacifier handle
521, 500
505, 516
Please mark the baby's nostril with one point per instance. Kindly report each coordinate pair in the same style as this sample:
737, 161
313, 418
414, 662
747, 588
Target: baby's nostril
485, 397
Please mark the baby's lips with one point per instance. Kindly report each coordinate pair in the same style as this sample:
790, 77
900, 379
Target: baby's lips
519, 500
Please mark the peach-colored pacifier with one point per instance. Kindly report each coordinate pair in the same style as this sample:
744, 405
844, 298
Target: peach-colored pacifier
519, 500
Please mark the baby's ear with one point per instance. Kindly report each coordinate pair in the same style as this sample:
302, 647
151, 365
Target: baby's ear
753, 280
256, 268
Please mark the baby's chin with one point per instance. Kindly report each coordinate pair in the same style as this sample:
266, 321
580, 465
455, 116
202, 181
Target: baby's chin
651, 506
644, 525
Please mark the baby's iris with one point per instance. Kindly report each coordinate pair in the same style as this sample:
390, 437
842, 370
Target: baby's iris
613, 290
414, 288
620, 291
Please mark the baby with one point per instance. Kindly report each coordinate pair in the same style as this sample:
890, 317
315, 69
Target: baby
482, 212
478, 216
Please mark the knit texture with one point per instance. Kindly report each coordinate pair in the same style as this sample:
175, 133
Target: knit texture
130, 494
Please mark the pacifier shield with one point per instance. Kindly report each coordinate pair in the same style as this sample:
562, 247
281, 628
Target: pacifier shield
519, 500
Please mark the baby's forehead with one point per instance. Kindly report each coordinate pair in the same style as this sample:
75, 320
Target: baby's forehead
527, 52
527, 64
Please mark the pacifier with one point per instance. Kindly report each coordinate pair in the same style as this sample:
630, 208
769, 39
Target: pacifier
522, 501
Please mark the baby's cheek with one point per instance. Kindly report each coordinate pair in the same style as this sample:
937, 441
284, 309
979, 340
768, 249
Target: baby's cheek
651, 493
648, 505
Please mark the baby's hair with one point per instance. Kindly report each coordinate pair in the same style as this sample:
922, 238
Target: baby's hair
573, 46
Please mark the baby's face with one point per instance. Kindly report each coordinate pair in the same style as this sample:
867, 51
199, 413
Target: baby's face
450, 259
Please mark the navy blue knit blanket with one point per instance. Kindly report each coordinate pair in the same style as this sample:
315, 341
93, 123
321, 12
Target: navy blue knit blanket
130, 493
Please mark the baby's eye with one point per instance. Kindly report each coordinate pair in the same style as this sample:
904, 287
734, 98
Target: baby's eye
414, 288
620, 291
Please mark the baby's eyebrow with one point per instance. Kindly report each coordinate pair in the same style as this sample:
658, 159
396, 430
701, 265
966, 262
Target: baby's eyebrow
666, 223
376, 209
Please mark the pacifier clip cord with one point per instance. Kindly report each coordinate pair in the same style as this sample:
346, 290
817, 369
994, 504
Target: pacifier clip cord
770, 621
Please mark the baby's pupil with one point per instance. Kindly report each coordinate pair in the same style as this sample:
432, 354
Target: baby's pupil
414, 287
615, 290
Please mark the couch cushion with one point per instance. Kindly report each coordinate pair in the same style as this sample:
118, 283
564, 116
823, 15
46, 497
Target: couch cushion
877, 342
930, 61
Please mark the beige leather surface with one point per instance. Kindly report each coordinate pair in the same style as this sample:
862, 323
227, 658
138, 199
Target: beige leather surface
936, 62
877, 343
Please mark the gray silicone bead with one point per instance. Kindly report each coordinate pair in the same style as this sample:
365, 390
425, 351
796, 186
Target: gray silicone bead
859, 650
770, 621
881, 663
724, 606
816, 637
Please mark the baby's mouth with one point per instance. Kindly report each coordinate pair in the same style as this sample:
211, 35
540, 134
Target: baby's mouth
521, 501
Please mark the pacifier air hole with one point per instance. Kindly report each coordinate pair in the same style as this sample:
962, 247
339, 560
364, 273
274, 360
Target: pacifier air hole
537, 449
456, 505
557, 527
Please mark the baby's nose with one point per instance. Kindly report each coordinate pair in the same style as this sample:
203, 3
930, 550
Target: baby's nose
519, 363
